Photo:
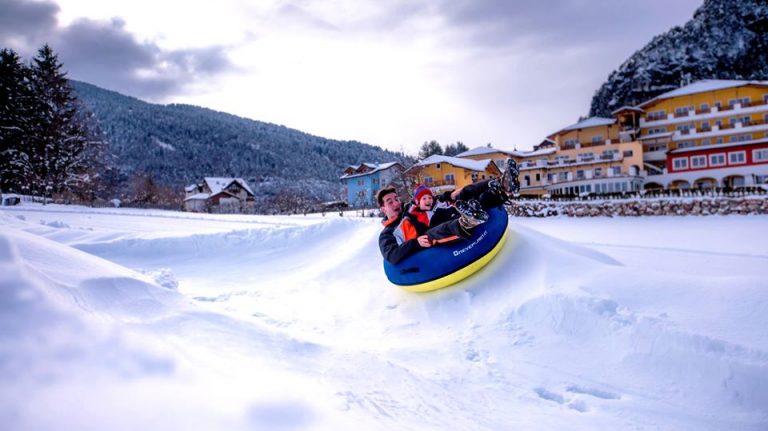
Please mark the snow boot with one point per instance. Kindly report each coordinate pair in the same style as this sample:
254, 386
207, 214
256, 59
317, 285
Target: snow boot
472, 214
509, 178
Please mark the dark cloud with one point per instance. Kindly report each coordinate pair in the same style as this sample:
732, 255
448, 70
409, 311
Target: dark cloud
25, 21
104, 53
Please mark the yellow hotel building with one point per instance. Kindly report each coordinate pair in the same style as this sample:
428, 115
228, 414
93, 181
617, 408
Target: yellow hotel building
708, 134
712, 133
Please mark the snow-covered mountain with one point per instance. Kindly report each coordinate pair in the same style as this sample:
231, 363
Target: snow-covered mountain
726, 39
180, 144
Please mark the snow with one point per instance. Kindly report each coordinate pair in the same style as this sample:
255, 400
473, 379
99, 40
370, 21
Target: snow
589, 122
142, 319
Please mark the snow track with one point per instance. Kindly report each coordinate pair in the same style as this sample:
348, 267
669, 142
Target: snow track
290, 323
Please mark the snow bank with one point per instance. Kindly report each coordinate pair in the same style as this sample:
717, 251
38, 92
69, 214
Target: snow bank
291, 324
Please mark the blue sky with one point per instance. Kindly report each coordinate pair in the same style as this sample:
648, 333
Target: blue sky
388, 73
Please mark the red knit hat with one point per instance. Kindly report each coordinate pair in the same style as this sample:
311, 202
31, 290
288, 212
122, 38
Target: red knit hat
420, 191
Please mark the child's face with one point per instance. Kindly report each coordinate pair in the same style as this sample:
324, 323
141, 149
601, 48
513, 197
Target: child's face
425, 203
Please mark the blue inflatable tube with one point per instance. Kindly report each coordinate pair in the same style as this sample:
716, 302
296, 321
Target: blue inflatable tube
446, 264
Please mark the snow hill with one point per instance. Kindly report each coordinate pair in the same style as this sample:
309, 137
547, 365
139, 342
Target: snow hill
130, 319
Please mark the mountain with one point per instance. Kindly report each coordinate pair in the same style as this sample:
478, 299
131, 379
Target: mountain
179, 144
726, 39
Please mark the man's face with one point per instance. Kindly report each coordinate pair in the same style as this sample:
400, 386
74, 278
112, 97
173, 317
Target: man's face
426, 201
391, 206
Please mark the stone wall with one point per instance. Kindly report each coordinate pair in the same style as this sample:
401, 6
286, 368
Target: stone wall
642, 207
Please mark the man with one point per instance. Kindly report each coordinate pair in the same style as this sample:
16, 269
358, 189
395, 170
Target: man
470, 202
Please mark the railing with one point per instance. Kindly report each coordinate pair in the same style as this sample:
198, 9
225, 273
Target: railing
729, 107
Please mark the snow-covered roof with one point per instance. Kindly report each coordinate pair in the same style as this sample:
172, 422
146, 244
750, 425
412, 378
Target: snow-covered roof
198, 196
473, 165
375, 168
702, 87
626, 108
656, 136
217, 184
542, 152
589, 122
190, 188
477, 151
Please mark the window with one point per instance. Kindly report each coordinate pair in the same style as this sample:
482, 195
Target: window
427, 180
450, 179
698, 161
737, 158
745, 121
598, 172
616, 170
765, 98
705, 125
683, 110
706, 141
580, 174
656, 115
744, 102
437, 166
704, 107
527, 180
571, 143
597, 139
686, 144
741, 138
719, 140
717, 159
657, 130
680, 163
628, 153
760, 155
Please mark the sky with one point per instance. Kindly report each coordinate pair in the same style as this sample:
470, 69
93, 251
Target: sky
389, 73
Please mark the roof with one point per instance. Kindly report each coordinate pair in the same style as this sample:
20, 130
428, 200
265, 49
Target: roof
627, 108
217, 184
473, 165
198, 196
375, 168
542, 152
702, 87
656, 136
589, 122
477, 151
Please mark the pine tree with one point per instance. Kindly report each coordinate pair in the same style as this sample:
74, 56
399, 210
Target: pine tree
62, 148
454, 149
430, 148
15, 119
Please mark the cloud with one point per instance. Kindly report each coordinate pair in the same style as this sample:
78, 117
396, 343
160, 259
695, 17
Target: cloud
104, 53
23, 21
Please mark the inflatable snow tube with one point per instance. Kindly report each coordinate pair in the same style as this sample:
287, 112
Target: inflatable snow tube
446, 264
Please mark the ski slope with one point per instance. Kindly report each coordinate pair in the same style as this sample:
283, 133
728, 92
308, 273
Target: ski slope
127, 319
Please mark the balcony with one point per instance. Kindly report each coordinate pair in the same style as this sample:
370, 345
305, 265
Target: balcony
709, 112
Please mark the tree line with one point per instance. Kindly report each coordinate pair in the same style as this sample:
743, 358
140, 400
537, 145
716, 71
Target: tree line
433, 147
48, 143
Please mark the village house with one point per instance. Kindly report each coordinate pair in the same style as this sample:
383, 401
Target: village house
447, 173
219, 195
361, 182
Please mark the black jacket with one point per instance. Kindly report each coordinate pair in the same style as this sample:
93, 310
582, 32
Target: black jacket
390, 250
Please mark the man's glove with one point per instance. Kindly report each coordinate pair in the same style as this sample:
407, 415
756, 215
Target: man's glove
445, 197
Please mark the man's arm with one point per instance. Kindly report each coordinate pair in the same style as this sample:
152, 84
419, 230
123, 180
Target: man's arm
393, 252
